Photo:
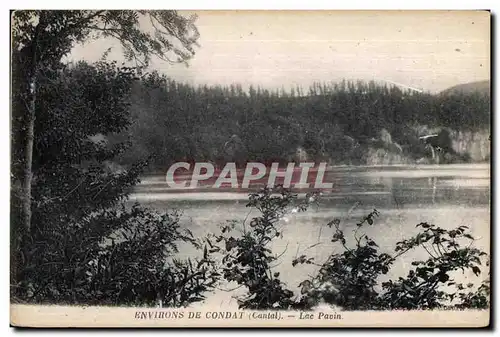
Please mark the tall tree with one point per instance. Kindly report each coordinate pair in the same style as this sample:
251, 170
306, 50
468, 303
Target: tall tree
85, 245
41, 38
82, 244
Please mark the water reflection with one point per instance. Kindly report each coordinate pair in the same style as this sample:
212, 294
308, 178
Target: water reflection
446, 195
388, 187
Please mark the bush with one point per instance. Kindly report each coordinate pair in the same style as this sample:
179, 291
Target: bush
354, 273
247, 259
114, 257
349, 279
84, 246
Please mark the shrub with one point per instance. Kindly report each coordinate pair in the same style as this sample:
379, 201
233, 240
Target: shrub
115, 257
349, 279
353, 275
68, 254
247, 259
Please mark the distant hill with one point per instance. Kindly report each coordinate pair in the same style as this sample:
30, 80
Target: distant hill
479, 86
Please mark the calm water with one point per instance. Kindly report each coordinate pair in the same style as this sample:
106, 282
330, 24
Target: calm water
445, 195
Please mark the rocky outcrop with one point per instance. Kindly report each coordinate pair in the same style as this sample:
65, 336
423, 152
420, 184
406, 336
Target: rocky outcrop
476, 145
383, 156
383, 151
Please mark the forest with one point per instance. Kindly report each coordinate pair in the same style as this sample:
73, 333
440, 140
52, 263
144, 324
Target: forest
336, 123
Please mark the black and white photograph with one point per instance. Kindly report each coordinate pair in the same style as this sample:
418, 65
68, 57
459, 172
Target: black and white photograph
250, 168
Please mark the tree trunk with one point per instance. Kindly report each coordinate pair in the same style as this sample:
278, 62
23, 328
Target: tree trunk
30, 127
28, 157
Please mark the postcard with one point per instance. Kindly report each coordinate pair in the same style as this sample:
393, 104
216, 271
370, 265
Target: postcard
250, 168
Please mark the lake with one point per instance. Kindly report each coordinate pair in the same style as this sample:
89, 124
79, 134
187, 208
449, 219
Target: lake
445, 195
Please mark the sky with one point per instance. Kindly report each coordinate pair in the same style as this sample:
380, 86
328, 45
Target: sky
426, 50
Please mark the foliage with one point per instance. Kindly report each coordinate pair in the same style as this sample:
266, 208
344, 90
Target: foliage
335, 123
114, 257
50, 34
83, 245
247, 260
352, 277
40, 39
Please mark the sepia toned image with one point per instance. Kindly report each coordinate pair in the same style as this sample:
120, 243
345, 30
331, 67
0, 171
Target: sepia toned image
250, 168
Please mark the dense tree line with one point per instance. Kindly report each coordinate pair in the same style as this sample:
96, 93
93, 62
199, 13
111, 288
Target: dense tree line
336, 122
